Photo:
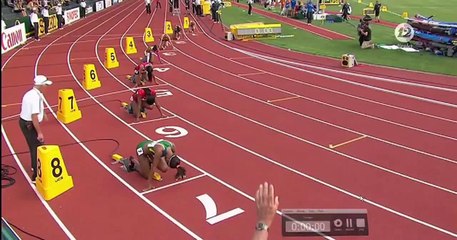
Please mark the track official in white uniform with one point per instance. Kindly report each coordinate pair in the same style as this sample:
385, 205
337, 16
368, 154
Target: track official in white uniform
32, 114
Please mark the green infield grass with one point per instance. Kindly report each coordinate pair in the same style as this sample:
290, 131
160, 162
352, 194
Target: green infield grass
310, 43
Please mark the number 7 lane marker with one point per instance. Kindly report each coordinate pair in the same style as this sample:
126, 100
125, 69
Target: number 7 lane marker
211, 210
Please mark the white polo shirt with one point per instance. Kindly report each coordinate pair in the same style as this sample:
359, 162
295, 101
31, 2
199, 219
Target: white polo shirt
33, 18
45, 12
59, 10
32, 103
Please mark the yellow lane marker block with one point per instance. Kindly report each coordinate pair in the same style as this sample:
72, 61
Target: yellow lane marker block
186, 23
91, 80
67, 109
110, 58
52, 176
130, 45
148, 36
168, 28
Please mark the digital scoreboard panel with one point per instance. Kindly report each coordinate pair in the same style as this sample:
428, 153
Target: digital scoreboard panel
324, 222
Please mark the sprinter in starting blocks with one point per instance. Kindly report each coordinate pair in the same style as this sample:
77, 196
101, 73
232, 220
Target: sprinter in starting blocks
130, 164
142, 99
153, 156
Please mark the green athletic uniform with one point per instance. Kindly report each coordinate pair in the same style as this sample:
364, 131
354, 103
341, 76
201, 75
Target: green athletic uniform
150, 145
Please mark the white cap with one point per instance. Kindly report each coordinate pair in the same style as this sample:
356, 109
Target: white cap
41, 80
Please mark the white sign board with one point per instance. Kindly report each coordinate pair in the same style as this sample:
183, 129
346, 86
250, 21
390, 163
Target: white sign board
13, 37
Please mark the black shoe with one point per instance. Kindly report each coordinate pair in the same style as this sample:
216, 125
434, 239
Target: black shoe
128, 165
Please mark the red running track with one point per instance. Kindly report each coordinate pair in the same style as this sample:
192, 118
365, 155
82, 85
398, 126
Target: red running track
248, 118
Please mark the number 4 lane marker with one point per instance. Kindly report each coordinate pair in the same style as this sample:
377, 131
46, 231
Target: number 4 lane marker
211, 210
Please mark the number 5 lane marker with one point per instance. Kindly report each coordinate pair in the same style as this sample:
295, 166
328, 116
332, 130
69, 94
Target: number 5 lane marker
211, 210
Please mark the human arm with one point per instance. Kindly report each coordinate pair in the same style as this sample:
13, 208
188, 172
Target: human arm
159, 108
267, 204
158, 56
155, 159
138, 107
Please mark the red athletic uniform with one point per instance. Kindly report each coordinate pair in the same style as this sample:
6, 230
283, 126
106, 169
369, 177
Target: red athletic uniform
143, 93
142, 67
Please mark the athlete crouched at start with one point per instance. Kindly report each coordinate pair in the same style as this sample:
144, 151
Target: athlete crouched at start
142, 99
142, 74
152, 156
177, 32
165, 41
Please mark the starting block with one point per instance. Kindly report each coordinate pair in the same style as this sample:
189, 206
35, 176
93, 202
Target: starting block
52, 177
119, 159
67, 110
156, 176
